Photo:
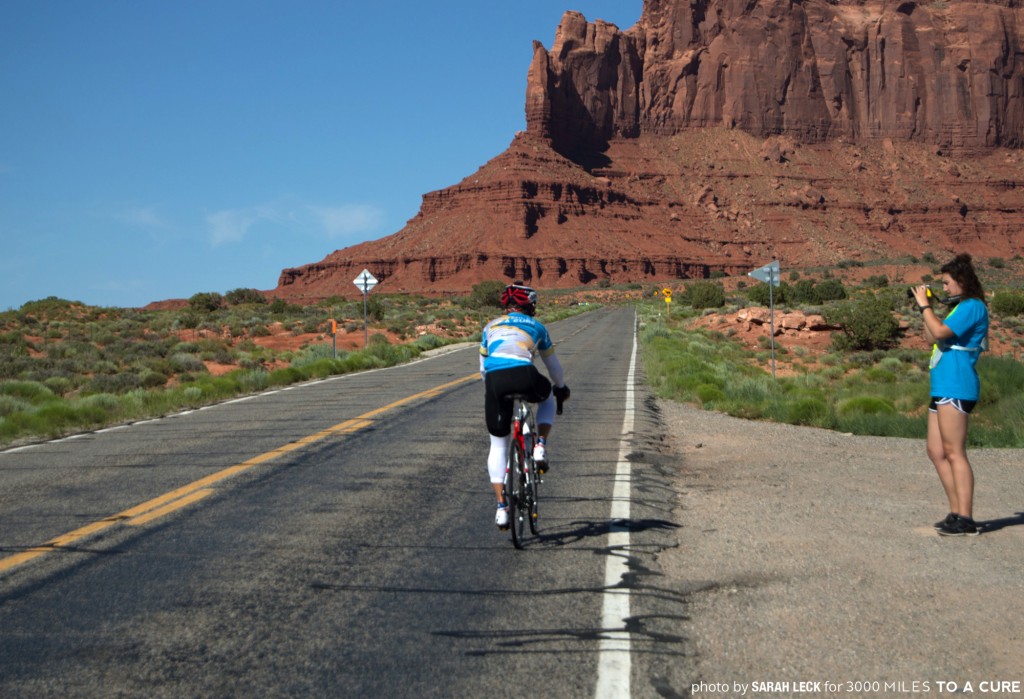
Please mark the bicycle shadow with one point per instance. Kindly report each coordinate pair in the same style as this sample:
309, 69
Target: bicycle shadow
994, 525
579, 531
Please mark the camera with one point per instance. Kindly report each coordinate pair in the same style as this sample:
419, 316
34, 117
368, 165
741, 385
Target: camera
910, 293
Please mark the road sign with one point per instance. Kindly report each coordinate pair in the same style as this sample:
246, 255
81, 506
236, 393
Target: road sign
365, 281
666, 291
769, 273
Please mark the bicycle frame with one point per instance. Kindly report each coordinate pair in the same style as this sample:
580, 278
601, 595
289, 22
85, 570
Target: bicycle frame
521, 478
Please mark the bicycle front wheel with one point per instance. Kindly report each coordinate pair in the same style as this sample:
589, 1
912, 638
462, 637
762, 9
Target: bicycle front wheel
532, 496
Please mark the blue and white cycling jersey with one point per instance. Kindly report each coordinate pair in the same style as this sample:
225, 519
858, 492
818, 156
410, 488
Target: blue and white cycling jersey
513, 340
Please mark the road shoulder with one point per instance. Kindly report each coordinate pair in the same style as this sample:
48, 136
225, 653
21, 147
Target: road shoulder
809, 555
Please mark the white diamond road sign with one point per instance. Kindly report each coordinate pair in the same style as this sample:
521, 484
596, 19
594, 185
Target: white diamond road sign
365, 281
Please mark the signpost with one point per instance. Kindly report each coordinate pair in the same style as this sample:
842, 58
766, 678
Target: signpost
770, 275
365, 282
668, 300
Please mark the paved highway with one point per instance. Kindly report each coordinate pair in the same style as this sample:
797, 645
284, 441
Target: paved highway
337, 539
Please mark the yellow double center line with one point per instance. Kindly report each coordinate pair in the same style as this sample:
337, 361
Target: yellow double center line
197, 490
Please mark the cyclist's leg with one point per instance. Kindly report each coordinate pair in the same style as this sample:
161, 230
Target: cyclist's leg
545, 415
545, 400
496, 464
498, 415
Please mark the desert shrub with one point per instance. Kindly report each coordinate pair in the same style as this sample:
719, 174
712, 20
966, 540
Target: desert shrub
763, 294
865, 405
879, 374
650, 331
709, 393
60, 385
897, 364
113, 383
810, 411
97, 403
152, 379
830, 290
703, 295
804, 292
185, 347
748, 395
206, 302
12, 404
30, 391
239, 296
883, 425
486, 294
254, 380
142, 348
1007, 303
428, 342
388, 353
1001, 377
311, 354
286, 376
866, 324
182, 362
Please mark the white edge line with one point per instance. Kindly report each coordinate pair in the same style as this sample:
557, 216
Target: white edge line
614, 665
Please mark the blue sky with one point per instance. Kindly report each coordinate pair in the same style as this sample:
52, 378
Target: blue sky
153, 150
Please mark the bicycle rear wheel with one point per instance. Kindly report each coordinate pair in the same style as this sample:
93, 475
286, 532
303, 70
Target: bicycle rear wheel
515, 496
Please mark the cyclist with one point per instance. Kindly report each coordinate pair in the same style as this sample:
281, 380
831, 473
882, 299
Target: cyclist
507, 349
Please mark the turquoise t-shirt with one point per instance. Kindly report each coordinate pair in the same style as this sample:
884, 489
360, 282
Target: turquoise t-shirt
955, 376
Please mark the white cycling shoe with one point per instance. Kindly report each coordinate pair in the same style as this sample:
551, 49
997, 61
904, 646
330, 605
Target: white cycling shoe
501, 517
540, 457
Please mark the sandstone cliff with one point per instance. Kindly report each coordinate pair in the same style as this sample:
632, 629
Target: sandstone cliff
718, 134
946, 72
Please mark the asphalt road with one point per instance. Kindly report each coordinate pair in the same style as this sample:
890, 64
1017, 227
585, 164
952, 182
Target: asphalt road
337, 539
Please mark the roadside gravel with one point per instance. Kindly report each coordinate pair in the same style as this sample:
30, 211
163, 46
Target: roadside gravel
809, 556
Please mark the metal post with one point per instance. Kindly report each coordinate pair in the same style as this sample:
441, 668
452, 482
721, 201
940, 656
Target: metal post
771, 313
365, 344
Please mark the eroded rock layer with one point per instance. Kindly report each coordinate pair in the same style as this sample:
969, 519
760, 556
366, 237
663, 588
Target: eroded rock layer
720, 135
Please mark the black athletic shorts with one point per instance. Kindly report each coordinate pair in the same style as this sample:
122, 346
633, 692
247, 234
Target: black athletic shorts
964, 406
501, 384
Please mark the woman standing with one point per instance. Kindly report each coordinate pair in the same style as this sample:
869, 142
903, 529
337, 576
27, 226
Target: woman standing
958, 340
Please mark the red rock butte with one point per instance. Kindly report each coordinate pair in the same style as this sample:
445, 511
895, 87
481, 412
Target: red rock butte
717, 135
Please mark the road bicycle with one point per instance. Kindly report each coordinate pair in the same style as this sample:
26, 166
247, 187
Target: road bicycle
521, 478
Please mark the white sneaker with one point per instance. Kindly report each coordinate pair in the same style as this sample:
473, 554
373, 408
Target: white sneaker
540, 457
501, 517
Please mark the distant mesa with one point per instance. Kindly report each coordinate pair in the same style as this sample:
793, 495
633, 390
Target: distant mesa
716, 136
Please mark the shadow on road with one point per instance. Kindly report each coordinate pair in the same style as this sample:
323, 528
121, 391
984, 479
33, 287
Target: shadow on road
993, 525
578, 531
